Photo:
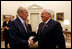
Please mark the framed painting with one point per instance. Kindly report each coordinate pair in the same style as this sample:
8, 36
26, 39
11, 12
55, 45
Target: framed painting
60, 16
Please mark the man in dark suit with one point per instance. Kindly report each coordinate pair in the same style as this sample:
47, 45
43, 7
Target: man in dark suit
50, 34
18, 32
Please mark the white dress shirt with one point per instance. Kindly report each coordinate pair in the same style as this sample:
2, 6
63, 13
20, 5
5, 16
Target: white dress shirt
47, 20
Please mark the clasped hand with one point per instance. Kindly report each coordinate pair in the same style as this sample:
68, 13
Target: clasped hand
31, 42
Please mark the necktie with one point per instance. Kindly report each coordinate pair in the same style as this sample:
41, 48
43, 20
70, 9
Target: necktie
43, 25
25, 26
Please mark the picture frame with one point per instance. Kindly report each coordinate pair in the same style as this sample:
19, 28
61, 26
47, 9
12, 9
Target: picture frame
60, 16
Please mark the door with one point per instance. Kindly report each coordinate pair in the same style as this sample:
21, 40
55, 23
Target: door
34, 19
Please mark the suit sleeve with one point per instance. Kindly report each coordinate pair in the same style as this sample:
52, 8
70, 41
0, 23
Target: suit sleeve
14, 38
59, 36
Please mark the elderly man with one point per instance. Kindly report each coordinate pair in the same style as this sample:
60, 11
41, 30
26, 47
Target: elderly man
50, 33
19, 34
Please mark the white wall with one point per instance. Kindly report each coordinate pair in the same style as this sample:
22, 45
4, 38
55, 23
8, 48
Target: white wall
10, 7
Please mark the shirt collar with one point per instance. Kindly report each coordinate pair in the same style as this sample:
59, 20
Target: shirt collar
21, 19
47, 20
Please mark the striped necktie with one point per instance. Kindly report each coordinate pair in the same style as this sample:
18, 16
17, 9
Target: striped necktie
25, 26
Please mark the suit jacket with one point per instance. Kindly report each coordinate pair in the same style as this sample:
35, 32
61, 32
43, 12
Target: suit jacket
5, 24
51, 36
18, 35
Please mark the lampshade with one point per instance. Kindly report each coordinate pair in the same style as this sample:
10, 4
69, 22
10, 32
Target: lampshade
66, 22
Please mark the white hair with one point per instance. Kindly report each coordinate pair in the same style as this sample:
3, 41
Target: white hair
49, 11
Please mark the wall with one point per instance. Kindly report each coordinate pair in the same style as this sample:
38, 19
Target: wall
10, 7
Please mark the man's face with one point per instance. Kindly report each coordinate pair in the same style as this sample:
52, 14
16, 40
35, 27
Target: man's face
45, 16
23, 14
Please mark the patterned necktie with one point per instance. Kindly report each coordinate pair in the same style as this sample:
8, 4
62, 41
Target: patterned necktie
43, 25
25, 26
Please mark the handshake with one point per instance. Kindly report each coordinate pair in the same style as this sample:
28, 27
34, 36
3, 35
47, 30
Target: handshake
31, 42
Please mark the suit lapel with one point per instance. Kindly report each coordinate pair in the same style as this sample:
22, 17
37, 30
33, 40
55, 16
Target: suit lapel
41, 27
48, 26
21, 25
